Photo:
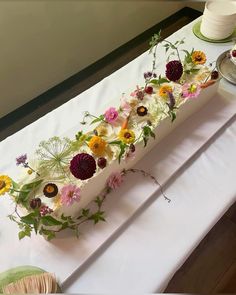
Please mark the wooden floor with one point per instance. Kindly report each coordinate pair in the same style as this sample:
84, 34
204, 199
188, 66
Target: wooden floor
211, 268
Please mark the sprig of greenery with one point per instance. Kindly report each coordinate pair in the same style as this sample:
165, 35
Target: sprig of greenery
174, 46
48, 225
147, 133
159, 81
189, 66
96, 119
123, 146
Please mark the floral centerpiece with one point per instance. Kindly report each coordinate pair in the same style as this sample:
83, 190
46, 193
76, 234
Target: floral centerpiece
54, 180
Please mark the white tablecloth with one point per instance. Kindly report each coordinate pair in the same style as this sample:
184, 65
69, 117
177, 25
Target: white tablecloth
146, 251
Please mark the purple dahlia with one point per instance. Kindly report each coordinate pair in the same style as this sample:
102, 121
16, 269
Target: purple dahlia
83, 166
174, 70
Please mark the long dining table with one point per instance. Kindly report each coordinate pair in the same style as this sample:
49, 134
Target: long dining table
145, 239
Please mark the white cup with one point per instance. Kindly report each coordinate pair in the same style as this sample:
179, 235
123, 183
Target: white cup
219, 19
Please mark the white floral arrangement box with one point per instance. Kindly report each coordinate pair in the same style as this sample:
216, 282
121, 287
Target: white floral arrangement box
60, 180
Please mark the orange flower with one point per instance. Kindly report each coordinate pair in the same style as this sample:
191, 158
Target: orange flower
198, 57
163, 91
97, 145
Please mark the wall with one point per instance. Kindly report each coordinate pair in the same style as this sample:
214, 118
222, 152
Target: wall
45, 42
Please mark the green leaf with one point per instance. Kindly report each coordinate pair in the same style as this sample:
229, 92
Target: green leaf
145, 140
78, 135
48, 233
26, 190
85, 212
88, 138
15, 186
98, 216
99, 201
116, 142
173, 117
29, 219
50, 221
194, 71
63, 217
21, 235
122, 151
159, 81
98, 119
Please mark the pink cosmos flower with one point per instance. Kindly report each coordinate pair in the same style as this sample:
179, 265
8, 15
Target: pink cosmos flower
125, 107
70, 193
190, 90
111, 115
115, 180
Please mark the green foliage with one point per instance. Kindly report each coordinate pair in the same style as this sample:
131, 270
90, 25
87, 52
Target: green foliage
147, 133
98, 119
25, 191
159, 81
98, 216
78, 135
156, 38
122, 147
48, 225
189, 66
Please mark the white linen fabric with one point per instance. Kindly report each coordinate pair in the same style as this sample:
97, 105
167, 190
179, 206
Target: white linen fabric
145, 238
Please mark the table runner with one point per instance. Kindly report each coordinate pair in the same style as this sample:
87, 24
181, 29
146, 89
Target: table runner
64, 120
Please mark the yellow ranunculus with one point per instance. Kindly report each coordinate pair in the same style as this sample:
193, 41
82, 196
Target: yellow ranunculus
198, 57
163, 91
97, 145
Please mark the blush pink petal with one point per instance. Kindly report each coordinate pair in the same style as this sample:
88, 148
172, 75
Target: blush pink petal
111, 115
115, 180
69, 194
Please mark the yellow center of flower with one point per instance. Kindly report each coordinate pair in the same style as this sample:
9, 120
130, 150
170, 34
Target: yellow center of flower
142, 109
29, 171
49, 189
193, 88
2, 184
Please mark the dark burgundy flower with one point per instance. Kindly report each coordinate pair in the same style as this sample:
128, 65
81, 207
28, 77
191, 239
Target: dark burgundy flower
174, 70
214, 75
83, 166
35, 203
233, 53
149, 90
102, 162
147, 75
50, 190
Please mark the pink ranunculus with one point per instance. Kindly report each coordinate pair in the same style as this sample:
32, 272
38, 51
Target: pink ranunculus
70, 193
191, 90
111, 115
115, 180
125, 107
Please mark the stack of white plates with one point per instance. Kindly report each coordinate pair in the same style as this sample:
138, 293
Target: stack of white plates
219, 19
